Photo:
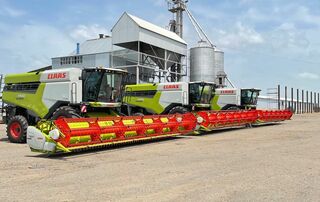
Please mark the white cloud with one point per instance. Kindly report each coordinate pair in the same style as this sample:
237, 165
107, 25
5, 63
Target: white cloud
309, 75
84, 32
207, 12
303, 14
287, 35
159, 3
11, 12
256, 15
32, 46
241, 36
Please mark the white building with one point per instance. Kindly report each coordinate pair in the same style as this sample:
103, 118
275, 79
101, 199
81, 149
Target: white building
140, 47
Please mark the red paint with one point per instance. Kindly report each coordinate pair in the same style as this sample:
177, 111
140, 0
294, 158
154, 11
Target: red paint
15, 129
175, 124
57, 75
227, 92
171, 86
186, 124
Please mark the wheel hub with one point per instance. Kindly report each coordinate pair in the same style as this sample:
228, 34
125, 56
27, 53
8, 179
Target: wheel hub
15, 129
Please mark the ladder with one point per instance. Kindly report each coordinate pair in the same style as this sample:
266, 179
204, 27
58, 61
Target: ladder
1, 103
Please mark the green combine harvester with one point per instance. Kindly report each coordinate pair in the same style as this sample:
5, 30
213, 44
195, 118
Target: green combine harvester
60, 93
101, 92
182, 97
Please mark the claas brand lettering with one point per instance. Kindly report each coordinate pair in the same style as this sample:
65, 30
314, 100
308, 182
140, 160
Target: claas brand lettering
182, 97
173, 86
57, 75
59, 93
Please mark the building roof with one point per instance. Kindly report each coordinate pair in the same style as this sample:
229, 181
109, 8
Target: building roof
93, 46
154, 28
129, 30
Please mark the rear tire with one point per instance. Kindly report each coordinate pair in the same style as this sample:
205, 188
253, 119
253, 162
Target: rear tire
65, 112
233, 108
17, 129
178, 110
138, 114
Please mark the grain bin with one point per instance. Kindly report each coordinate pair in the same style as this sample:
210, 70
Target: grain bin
207, 64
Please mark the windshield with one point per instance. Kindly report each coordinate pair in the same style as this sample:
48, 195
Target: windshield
201, 93
102, 86
249, 97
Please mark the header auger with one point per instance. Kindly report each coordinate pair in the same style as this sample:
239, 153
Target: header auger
76, 134
66, 135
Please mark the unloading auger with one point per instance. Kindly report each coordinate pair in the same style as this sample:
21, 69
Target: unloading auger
76, 134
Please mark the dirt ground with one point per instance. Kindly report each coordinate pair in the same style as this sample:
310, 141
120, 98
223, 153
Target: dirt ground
270, 163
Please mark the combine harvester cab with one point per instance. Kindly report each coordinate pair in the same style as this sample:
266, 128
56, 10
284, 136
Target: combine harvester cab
54, 93
236, 98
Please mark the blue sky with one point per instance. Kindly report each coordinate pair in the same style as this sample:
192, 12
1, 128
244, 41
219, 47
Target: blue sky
265, 42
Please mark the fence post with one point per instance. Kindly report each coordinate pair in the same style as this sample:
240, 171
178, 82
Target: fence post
318, 103
279, 97
285, 97
297, 102
311, 102
302, 101
314, 101
292, 103
307, 101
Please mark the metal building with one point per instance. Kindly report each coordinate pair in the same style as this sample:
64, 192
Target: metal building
155, 54
91, 53
144, 49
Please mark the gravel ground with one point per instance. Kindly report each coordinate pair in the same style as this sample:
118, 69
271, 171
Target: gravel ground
269, 163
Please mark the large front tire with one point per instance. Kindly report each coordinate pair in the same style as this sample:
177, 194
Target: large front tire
17, 129
65, 112
178, 110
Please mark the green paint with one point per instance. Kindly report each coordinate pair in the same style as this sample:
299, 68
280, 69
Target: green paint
22, 78
152, 104
80, 139
95, 104
214, 103
30, 101
108, 136
130, 134
141, 87
202, 105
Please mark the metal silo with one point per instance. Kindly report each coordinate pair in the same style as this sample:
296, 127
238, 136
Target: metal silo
206, 64
202, 64
220, 75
